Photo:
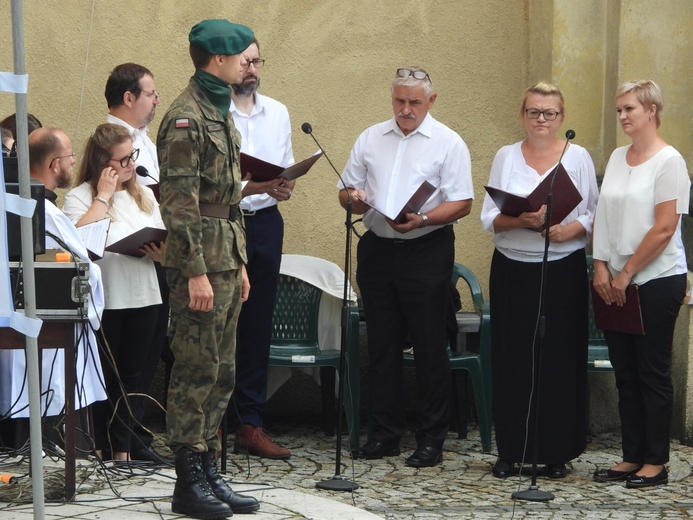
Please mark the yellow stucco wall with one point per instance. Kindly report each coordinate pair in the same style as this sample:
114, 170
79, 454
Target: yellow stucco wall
331, 63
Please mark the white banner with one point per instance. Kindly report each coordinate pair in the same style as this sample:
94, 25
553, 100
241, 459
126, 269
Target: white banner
8, 316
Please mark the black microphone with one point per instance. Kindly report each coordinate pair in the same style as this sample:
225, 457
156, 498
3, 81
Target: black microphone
143, 172
570, 134
309, 130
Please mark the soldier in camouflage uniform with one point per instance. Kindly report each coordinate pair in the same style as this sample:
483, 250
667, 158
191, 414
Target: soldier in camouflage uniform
198, 148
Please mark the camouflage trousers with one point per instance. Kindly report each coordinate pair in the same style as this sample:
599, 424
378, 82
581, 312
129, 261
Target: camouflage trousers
203, 373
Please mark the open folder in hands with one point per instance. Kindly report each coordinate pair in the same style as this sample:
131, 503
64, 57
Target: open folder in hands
413, 205
627, 318
566, 197
131, 244
265, 171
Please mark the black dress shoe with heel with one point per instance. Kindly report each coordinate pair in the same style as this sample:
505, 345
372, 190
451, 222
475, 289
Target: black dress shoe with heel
612, 475
377, 450
635, 481
556, 470
503, 469
425, 457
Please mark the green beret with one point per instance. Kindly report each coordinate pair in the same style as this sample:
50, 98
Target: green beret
221, 37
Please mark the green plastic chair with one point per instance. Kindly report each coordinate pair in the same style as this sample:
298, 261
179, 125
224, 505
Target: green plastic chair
295, 344
597, 350
478, 364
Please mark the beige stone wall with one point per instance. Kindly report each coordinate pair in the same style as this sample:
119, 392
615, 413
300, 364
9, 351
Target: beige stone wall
330, 62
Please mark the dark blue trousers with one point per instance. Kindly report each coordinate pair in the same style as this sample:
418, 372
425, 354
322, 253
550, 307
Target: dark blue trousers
264, 236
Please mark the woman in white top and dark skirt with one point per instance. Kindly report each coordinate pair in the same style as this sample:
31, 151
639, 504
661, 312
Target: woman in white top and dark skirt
637, 240
515, 288
107, 188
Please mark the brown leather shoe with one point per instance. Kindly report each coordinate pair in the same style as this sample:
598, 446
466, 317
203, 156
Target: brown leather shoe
250, 439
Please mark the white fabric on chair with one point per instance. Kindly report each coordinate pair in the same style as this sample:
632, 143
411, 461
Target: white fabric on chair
329, 278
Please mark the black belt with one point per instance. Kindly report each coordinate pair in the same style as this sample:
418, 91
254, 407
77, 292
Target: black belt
224, 211
411, 241
248, 213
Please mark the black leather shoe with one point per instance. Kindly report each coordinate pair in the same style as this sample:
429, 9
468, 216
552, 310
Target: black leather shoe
639, 481
611, 475
149, 454
425, 457
377, 450
556, 470
503, 469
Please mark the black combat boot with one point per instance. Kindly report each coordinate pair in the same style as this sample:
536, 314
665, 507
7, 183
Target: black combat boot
239, 503
192, 495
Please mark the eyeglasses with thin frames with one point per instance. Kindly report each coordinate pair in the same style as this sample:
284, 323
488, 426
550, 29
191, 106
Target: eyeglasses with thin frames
257, 63
416, 74
50, 164
151, 93
549, 115
126, 160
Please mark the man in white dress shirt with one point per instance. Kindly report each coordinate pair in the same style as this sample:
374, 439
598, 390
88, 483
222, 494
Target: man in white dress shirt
132, 99
266, 134
404, 268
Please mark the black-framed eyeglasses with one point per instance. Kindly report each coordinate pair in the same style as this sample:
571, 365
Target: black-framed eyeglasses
151, 93
549, 115
257, 63
50, 164
126, 160
416, 74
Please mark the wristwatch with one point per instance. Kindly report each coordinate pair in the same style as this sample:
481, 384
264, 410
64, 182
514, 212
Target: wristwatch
425, 219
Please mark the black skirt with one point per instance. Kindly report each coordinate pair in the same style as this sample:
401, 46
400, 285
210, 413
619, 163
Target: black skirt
515, 289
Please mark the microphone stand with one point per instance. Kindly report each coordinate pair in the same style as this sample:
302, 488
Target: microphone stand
337, 483
533, 493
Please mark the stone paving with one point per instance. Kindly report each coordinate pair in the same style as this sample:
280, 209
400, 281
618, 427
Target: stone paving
461, 488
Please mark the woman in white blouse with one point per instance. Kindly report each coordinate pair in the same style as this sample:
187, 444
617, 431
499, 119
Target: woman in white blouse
637, 239
107, 188
515, 288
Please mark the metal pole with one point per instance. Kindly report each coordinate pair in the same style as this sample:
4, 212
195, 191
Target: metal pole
32, 356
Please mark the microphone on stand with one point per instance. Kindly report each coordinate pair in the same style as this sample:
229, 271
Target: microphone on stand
533, 493
309, 130
337, 483
144, 172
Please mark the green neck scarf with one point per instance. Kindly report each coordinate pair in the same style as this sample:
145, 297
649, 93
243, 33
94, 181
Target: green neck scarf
217, 90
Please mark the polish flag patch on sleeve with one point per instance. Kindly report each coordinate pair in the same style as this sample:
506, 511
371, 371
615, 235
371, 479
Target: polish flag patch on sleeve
182, 123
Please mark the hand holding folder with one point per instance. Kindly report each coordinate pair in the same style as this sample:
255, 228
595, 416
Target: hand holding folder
265, 171
626, 318
413, 205
566, 197
131, 244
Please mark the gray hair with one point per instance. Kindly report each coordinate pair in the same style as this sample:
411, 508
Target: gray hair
411, 81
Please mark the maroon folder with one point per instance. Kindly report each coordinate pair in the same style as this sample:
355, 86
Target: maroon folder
627, 318
413, 205
265, 171
566, 197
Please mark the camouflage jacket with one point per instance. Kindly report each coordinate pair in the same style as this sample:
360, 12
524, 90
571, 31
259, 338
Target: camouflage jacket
199, 162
